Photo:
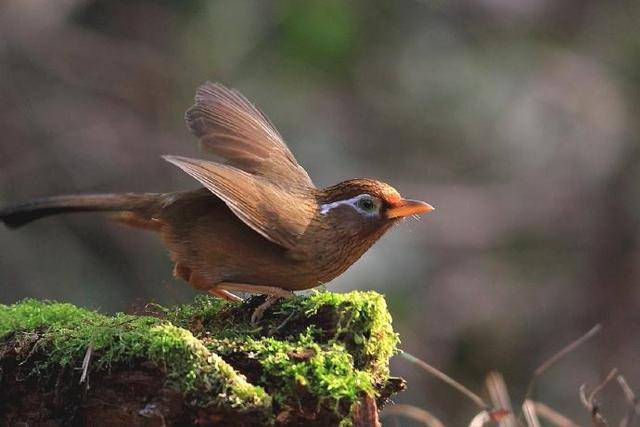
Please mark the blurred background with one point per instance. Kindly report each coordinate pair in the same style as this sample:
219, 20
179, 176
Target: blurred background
517, 119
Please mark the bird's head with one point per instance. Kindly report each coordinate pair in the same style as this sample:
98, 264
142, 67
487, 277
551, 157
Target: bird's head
366, 206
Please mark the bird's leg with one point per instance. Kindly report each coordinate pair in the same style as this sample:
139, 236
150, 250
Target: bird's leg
226, 295
260, 310
256, 289
185, 273
273, 295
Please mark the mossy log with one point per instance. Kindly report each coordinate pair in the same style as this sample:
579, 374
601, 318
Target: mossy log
316, 360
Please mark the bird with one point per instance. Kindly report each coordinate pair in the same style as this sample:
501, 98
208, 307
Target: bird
257, 224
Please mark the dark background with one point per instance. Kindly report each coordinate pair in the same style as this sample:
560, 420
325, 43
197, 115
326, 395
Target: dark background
517, 119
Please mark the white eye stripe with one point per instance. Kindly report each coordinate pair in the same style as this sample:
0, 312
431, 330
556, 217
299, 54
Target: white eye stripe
353, 203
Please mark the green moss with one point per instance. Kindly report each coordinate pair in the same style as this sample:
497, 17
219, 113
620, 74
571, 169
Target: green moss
191, 366
323, 351
32, 314
359, 320
365, 319
294, 370
349, 335
67, 331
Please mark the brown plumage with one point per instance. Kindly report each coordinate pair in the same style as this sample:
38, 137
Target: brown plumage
259, 224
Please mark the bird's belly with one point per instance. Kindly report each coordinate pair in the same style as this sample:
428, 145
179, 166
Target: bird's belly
210, 240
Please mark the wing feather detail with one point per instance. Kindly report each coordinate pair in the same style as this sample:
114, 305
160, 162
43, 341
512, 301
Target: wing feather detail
280, 216
230, 126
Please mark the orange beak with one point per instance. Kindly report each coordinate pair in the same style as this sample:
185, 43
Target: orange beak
406, 207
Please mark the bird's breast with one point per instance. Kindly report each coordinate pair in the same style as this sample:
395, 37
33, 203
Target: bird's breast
333, 249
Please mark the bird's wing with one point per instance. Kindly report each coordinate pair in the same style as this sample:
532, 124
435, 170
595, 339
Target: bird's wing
280, 216
231, 127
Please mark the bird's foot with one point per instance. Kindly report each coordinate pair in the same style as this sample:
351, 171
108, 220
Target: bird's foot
273, 295
256, 289
268, 303
258, 313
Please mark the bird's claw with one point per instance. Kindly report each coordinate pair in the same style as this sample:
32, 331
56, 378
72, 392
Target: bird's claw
258, 313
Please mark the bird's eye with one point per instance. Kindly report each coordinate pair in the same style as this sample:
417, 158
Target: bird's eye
367, 204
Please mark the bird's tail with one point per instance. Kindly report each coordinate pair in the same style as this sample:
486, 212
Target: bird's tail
142, 204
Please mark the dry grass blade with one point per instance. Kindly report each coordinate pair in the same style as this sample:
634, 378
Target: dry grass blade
602, 385
417, 414
484, 417
530, 414
447, 379
598, 420
480, 419
500, 397
583, 397
629, 394
559, 355
634, 404
553, 416
85, 365
589, 401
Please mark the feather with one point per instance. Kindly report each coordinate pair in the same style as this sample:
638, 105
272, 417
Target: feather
280, 216
231, 127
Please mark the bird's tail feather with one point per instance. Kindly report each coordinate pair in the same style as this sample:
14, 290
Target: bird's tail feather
21, 214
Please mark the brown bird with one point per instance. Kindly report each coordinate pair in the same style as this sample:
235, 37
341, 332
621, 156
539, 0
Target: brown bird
259, 224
